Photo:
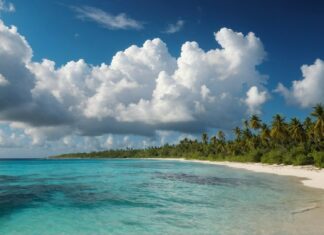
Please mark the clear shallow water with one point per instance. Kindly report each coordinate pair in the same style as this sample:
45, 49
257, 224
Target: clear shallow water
145, 197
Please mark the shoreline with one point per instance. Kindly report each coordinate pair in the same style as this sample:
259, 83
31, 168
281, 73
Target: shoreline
309, 176
306, 219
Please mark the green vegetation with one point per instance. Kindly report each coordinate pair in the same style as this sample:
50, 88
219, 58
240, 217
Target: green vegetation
293, 142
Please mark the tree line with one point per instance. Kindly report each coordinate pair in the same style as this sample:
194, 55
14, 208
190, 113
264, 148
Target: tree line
280, 142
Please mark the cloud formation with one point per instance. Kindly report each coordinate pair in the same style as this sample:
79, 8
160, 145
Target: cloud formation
310, 90
255, 99
173, 28
142, 91
107, 20
7, 7
10, 140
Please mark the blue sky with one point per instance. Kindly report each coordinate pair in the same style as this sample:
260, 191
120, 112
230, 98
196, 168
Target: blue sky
290, 32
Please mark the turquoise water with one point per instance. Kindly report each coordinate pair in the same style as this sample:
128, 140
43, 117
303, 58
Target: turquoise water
144, 197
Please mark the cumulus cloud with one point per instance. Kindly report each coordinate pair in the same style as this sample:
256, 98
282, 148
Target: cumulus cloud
16, 79
18, 101
173, 28
142, 91
7, 7
3, 81
255, 99
109, 143
120, 21
310, 90
10, 139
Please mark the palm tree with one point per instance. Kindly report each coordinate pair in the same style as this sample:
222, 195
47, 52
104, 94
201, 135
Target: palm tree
309, 127
296, 131
265, 134
213, 140
212, 148
221, 136
308, 124
246, 124
246, 137
255, 122
204, 138
221, 140
185, 141
279, 129
237, 131
318, 113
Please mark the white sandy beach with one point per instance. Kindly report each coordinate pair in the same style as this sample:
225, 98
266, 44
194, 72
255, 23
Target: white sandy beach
310, 175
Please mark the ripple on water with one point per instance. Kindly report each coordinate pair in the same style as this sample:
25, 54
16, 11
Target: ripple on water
147, 197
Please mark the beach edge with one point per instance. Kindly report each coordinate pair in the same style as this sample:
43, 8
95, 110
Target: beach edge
309, 176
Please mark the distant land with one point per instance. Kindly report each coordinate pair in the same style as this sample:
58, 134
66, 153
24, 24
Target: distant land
292, 142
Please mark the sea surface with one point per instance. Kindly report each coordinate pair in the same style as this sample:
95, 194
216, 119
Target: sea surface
77, 197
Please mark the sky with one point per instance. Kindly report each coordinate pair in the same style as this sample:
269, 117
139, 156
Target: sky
80, 76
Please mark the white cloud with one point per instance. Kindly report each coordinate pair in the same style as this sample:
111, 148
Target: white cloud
67, 140
10, 139
255, 99
3, 80
142, 91
173, 28
120, 21
109, 143
17, 81
310, 90
7, 7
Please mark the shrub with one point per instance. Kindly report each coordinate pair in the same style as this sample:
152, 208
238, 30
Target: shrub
318, 159
288, 158
298, 149
254, 156
296, 155
274, 156
302, 159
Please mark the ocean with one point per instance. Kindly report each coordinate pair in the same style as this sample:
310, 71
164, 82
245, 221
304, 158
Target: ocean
133, 196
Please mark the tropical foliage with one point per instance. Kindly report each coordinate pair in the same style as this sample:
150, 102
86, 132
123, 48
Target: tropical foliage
283, 142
